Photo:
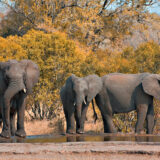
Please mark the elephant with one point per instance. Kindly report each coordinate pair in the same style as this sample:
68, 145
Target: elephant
17, 78
122, 93
76, 95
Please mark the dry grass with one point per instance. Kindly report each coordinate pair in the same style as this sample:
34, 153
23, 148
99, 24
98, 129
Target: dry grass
58, 125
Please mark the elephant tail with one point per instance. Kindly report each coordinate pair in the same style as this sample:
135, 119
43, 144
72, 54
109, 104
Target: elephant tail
95, 114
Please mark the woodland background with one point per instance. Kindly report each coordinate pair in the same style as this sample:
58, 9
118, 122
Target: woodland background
81, 37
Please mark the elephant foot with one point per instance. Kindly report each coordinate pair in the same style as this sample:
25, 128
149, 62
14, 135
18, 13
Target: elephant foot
110, 131
12, 133
149, 132
140, 132
70, 131
5, 134
79, 131
20, 133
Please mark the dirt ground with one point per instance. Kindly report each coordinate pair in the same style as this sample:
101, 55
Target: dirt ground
80, 151
36, 127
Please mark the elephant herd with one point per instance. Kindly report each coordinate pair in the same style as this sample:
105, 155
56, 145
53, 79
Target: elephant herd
113, 93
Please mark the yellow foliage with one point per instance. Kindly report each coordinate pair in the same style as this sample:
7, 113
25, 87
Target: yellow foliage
57, 57
9, 49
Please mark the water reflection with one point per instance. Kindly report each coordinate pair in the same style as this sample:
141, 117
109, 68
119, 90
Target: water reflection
81, 138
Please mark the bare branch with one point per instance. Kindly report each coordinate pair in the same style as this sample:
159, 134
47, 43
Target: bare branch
150, 3
17, 12
72, 5
63, 7
103, 7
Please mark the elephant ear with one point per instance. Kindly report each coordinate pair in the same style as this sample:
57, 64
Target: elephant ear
151, 85
31, 74
94, 87
4, 65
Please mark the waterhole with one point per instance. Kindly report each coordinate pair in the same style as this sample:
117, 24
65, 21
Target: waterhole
58, 138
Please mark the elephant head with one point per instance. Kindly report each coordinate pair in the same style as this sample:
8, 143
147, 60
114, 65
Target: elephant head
13, 77
17, 76
151, 85
80, 88
85, 89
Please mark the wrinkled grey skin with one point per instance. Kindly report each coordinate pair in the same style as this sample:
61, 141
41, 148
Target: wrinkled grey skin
17, 79
123, 93
76, 95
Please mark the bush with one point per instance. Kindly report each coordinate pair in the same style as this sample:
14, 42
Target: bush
57, 57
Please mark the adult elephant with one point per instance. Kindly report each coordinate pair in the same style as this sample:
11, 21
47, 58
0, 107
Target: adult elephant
17, 79
76, 95
123, 93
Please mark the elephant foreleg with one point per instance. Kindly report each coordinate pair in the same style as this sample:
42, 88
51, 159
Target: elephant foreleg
70, 120
141, 116
12, 116
150, 119
1, 104
78, 112
12, 124
20, 115
6, 119
0, 122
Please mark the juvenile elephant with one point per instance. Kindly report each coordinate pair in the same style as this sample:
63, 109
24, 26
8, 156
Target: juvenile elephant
17, 78
123, 93
76, 95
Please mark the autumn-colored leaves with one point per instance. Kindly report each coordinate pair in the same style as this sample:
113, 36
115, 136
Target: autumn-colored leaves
58, 57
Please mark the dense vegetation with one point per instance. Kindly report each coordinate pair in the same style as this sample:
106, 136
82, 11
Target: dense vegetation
80, 37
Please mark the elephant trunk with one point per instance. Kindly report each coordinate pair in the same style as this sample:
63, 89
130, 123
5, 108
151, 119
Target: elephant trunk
14, 87
78, 112
79, 100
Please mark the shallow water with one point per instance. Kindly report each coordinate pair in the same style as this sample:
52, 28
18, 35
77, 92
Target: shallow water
82, 138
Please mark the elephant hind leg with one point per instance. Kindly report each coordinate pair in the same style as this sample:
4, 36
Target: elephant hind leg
103, 103
141, 116
108, 124
150, 119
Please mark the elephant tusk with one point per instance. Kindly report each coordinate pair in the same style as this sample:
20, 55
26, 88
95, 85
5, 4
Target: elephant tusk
85, 101
74, 103
24, 90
